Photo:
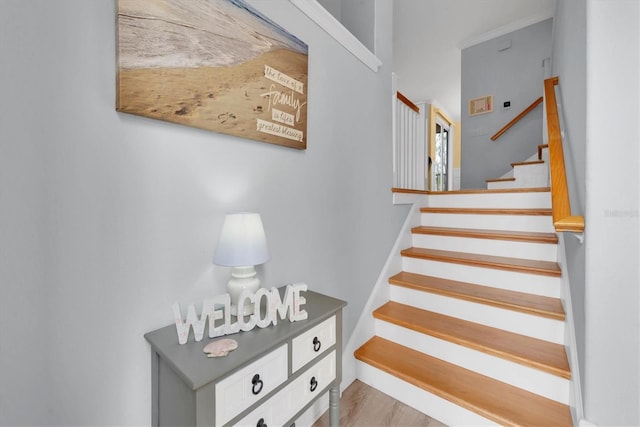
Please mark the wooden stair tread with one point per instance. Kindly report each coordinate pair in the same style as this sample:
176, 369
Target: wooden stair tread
492, 399
546, 268
488, 211
518, 236
532, 162
500, 179
537, 305
536, 353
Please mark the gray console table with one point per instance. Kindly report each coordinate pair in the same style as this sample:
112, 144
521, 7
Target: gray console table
274, 375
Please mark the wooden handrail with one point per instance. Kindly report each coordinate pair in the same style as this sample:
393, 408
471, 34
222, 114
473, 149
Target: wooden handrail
561, 208
408, 102
517, 119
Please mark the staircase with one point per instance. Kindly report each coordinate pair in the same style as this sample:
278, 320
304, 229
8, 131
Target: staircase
532, 173
473, 332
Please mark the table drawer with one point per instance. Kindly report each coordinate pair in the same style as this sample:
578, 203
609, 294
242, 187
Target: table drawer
250, 384
312, 343
291, 399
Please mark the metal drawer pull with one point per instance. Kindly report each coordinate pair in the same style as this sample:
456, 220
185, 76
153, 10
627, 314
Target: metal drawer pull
257, 382
314, 384
261, 423
316, 344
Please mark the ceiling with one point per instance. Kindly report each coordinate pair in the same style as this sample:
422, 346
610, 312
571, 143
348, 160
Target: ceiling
430, 34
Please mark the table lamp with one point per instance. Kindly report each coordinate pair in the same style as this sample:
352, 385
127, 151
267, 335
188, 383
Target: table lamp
242, 245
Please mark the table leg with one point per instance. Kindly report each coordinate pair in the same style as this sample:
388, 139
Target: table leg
334, 406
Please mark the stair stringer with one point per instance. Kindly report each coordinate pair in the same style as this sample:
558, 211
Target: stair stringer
365, 326
571, 346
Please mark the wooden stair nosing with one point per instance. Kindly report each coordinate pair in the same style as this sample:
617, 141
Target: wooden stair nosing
532, 162
488, 211
545, 268
537, 305
495, 400
500, 179
527, 351
491, 191
472, 191
518, 236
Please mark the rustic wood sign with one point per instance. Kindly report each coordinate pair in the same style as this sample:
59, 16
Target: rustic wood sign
218, 65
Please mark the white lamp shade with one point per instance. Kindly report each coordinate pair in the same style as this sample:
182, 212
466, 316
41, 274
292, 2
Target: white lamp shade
242, 242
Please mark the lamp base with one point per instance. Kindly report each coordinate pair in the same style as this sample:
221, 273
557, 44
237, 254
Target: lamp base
242, 278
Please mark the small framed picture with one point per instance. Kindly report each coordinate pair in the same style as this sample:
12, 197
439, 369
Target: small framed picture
481, 105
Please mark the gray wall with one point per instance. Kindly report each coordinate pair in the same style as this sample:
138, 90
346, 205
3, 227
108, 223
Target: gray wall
106, 219
515, 75
333, 7
597, 57
569, 64
358, 16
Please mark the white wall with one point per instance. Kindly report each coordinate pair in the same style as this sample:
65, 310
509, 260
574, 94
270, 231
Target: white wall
516, 75
612, 297
107, 218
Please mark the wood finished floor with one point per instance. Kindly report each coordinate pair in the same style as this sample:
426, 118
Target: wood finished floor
364, 406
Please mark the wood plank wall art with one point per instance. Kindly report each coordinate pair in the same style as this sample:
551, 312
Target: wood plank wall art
218, 65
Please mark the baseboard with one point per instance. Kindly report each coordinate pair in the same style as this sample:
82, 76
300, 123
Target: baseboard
576, 405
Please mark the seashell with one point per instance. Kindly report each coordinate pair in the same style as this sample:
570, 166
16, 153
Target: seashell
220, 348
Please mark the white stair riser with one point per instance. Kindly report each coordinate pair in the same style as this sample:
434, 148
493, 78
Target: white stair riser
535, 200
521, 282
419, 399
509, 320
500, 185
505, 248
537, 171
506, 371
537, 223
527, 181
527, 176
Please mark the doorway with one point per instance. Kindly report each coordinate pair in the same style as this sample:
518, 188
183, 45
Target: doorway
440, 162
441, 158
